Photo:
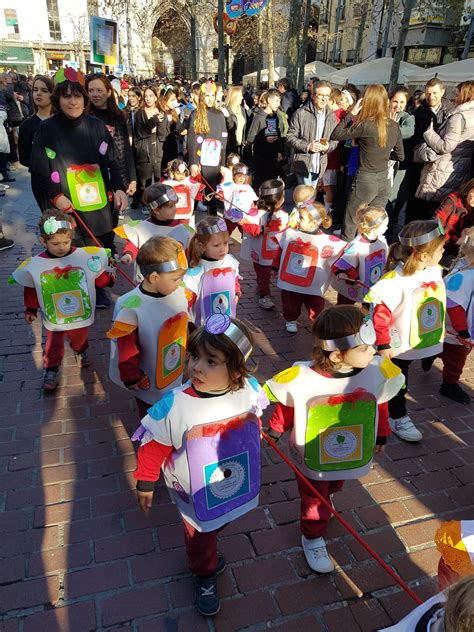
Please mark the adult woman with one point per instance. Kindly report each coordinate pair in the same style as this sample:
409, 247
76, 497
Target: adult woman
76, 164
453, 148
265, 135
379, 140
103, 105
151, 130
401, 184
237, 120
456, 213
170, 106
134, 103
207, 140
42, 90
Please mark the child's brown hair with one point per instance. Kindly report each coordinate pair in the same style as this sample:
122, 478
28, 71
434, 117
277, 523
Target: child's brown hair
237, 366
409, 255
271, 202
231, 160
159, 249
369, 217
59, 216
198, 242
459, 609
177, 169
303, 193
154, 192
316, 215
334, 322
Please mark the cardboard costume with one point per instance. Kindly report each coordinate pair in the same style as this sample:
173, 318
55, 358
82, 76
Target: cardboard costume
139, 231
238, 200
460, 302
213, 474
65, 286
263, 247
186, 191
335, 421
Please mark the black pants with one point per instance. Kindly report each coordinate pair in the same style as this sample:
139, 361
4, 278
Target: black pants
397, 406
81, 239
367, 188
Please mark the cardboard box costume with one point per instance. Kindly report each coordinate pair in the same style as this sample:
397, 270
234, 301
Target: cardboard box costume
263, 247
65, 286
186, 190
162, 331
365, 260
213, 474
418, 305
335, 421
238, 200
460, 294
139, 231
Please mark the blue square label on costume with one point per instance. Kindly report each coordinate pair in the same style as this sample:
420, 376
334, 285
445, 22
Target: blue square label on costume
227, 479
220, 303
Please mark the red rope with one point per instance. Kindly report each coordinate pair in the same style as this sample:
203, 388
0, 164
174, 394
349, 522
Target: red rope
220, 195
344, 523
97, 242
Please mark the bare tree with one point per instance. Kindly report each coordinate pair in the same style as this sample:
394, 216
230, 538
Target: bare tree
80, 36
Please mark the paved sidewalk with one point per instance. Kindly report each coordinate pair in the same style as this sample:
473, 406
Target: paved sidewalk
77, 555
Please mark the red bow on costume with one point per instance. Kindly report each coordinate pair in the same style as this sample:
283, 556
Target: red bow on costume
218, 271
62, 272
274, 225
91, 169
358, 395
429, 285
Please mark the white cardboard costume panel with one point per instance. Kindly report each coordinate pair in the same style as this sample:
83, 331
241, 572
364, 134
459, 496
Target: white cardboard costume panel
263, 249
460, 291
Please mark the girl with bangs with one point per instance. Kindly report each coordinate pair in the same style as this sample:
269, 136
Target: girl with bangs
170, 106
379, 140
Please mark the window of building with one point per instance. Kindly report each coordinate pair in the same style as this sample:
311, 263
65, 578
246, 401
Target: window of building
11, 22
53, 19
324, 13
342, 14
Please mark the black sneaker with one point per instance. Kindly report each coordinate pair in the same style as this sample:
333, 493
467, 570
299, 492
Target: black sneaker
207, 598
50, 380
82, 358
220, 568
102, 301
6, 243
427, 363
455, 392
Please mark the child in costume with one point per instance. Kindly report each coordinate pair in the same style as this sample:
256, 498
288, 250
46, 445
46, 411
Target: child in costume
262, 234
333, 408
161, 199
226, 172
149, 331
454, 540
303, 194
450, 611
186, 188
61, 281
205, 435
213, 274
238, 196
408, 305
363, 259
304, 261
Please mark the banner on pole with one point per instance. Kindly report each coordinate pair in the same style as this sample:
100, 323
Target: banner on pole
237, 8
104, 41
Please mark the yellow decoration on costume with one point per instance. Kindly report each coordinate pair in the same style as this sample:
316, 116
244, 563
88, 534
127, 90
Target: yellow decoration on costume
288, 375
92, 250
388, 369
450, 544
120, 330
183, 262
24, 263
389, 275
120, 231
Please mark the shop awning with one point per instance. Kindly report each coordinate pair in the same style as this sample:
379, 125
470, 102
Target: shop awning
16, 56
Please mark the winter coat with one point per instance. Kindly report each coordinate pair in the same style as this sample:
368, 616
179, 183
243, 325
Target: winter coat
289, 103
233, 146
4, 144
302, 131
424, 115
455, 146
401, 183
149, 144
257, 135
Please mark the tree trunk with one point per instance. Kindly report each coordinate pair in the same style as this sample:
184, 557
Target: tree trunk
336, 31
304, 46
294, 32
220, 45
259, 49
360, 32
409, 4
388, 24
194, 69
271, 55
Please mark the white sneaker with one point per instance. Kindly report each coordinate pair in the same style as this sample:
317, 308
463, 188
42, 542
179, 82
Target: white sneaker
316, 555
404, 428
291, 327
4, 187
266, 302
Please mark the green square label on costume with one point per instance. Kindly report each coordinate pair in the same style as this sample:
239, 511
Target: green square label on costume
172, 353
427, 321
65, 296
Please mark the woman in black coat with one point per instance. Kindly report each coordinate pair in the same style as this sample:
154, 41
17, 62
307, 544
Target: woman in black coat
169, 105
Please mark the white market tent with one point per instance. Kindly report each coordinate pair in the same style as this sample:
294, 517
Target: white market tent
280, 72
453, 73
318, 69
374, 71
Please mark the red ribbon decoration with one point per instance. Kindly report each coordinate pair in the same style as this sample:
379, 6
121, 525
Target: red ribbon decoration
358, 395
222, 271
91, 169
62, 272
430, 285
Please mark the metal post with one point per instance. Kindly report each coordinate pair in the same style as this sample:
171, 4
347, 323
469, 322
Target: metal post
220, 45
469, 34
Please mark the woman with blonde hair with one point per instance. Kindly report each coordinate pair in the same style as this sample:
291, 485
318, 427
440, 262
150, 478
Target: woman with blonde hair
207, 141
236, 121
379, 140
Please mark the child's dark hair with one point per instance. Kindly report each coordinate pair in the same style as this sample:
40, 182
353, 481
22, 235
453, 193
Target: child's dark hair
459, 609
234, 359
239, 168
58, 216
197, 243
334, 322
154, 192
271, 202
231, 160
159, 249
177, 166
409, 255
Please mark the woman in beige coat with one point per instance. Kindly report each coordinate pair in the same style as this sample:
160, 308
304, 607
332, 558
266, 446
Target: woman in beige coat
454, 144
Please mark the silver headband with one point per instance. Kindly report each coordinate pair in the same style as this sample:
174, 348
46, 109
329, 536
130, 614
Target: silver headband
306, 202
170, 195
272, 190
219, 227
243, 170
422, 239
313, 211
222, 324
365, 336
165, 266
348, 96
377, 222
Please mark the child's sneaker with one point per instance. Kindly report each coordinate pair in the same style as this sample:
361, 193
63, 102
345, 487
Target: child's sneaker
455, 392
102, 301
207, 597
316, 555
404, 428
50, 380
427, 363
265, 302
82, 359
291, 327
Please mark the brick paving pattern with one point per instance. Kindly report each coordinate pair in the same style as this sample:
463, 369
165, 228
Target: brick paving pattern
77, 555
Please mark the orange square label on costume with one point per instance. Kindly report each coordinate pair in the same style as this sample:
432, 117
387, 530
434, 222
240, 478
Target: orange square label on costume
299, 263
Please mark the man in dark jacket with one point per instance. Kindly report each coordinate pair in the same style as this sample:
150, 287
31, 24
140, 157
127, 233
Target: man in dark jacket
309, 133
289, 98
